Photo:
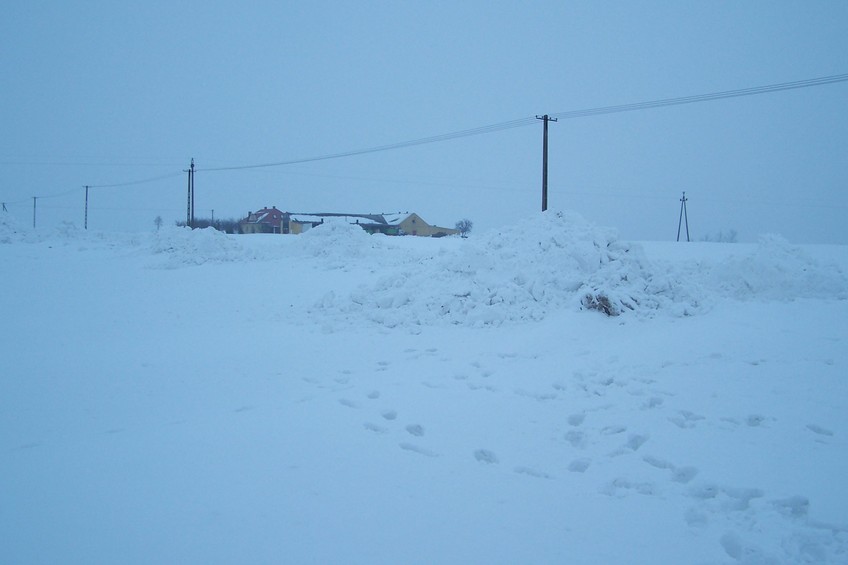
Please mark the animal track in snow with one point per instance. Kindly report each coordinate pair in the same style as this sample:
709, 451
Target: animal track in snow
349, 403
389, 414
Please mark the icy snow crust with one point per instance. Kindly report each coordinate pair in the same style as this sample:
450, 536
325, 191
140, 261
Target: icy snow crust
193, 397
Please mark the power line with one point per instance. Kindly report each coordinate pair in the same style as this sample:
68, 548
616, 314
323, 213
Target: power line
141, 181
702, 97
422, 141
521, 122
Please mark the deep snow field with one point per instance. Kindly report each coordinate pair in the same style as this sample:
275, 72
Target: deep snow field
193, 397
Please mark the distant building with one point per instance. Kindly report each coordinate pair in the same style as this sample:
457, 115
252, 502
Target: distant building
266, 220
274, 221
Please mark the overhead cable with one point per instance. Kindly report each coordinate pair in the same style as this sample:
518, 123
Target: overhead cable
520, 122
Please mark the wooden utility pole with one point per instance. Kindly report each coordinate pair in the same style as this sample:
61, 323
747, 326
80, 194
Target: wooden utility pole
683, 215
86, 206
546, 118
34, 198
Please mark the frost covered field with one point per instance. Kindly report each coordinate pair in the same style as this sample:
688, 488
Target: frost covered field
192, 397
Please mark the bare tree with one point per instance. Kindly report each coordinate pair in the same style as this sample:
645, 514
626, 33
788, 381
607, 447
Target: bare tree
158, 222
464, 226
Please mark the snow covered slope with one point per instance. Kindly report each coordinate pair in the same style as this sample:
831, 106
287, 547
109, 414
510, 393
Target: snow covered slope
192, 397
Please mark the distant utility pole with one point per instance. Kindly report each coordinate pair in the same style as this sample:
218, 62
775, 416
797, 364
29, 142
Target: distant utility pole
4, 207
546, 118
190, 204
86, 206
683, 215
34, 199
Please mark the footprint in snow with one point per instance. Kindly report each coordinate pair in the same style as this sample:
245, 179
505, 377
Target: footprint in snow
533, 472
635, 441
678, 474
686, 419
620, 487
576, 438
653, 402
486, 456
579, 465
576, 419
417, 449
389, 414
415, 429
816, 429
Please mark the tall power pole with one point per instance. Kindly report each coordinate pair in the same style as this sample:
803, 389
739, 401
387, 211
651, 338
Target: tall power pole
683, 215
546, 118
86, 206
190, 203
34, 199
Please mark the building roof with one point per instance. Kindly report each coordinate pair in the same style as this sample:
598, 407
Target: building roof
264, 216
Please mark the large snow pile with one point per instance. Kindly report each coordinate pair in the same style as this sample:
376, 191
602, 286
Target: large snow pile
563, 261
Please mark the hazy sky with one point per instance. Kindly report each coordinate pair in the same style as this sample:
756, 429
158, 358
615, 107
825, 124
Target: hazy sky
103, 93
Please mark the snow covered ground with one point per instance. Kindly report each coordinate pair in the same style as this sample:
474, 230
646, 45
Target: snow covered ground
192, 397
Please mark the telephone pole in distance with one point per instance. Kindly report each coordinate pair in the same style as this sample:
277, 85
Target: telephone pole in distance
546, 118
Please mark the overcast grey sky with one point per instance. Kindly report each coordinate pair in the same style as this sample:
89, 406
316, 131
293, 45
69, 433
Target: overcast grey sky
110, 92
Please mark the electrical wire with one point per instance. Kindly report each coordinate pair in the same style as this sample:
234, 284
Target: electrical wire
701, 97
521, 122
422, 141
142, 181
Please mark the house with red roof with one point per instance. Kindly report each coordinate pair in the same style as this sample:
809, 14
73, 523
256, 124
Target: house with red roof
266, 220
